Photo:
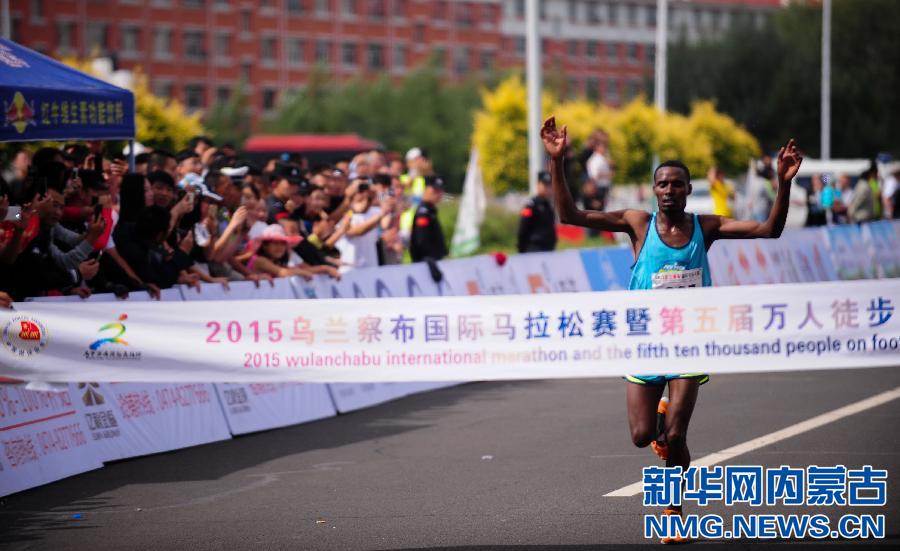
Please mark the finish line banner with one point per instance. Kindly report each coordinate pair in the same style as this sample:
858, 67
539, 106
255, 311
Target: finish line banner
712, 330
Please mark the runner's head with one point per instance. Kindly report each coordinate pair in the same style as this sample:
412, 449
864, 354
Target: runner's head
672, 185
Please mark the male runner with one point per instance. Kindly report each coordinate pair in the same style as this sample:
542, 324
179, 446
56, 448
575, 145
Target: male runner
670, 251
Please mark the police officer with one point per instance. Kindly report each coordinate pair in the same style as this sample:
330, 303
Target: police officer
427, 238
537, 222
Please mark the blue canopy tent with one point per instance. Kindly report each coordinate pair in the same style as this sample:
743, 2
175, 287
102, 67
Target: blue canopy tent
44, 99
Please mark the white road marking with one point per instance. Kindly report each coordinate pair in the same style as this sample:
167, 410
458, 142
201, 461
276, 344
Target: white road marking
777, 436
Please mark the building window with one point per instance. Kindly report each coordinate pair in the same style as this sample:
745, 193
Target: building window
348, 7
269, 49
295, 7
246, 71
419, 33
572, 48
375, 56
613, 15
593, 13
651, 16
245, 22
399, 61
223, 94
194, 3
650, 52
323, 7
322, 51
439, 10
519, 45
400, 8
487, 60
376, 9
461, 61
97, 37
348, 54
269, 97
223, 3
592, 88
633, 88
612, 89
65, 35
295, 53
592, 48
631, 53
572, 10
193, 46
223, 45
163, 88
162, 43
37, 11
464, 17
519, 9
440, 57
632, 12
489, 15
571, 87
131, 39
612, 53
193, 96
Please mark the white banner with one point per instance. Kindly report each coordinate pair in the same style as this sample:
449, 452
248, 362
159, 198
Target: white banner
132, 419
42, 439
240, 290
851, 256
353, 396
263, 406
478, 275
552, 272
882, 238
460, 338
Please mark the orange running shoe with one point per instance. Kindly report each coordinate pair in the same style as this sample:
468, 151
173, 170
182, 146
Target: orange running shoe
675, 539
659, 446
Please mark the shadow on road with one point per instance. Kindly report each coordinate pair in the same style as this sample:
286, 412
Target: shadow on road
25, 515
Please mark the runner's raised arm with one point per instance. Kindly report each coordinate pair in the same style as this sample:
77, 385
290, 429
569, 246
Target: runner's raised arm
618, 221
720, 227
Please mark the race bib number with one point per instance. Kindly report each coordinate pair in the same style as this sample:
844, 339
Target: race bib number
678, 279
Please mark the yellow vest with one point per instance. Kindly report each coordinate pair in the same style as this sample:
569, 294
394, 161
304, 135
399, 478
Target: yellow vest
414, 188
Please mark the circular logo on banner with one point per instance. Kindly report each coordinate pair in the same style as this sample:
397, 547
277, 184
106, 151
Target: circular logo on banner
24, 336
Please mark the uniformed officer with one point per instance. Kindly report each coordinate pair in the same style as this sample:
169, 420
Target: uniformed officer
537, 223
427, 239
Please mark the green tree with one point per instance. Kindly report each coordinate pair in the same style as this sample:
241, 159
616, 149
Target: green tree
229, 122
769, 79
419, 111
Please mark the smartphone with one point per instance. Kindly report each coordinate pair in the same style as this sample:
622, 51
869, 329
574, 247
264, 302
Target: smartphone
98, 209
13, 214
364, 186
98, 164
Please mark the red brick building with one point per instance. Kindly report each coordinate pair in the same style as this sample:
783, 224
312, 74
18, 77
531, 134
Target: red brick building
200, 50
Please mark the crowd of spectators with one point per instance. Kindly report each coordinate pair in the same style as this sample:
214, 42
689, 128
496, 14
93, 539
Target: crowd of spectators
76, 221
842, 198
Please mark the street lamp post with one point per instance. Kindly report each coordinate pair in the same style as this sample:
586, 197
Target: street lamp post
825, 115
533, 79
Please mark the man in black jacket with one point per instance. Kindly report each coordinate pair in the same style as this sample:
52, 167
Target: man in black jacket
537, 221
427, 238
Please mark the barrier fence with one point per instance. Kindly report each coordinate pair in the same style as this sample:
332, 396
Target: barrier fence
47, 435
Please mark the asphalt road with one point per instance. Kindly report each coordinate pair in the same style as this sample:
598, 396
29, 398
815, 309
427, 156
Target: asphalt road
479, 466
